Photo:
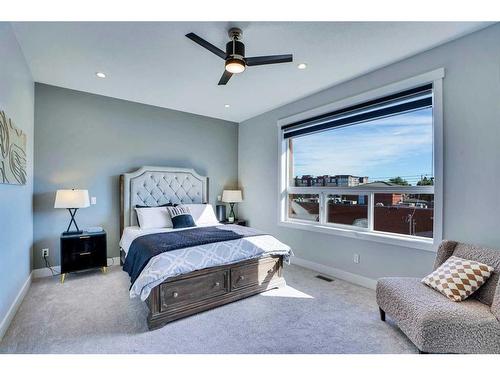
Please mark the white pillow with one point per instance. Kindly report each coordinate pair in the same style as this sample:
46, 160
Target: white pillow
203, 214
153, 217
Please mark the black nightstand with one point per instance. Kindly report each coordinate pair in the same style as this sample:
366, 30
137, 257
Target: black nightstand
83, 251
241, 222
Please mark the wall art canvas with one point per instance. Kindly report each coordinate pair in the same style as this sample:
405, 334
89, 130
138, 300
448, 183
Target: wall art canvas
12, 152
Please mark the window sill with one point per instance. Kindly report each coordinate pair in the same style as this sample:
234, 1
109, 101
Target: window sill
415, 243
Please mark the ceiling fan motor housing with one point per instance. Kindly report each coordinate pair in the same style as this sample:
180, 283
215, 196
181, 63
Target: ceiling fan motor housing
238, 51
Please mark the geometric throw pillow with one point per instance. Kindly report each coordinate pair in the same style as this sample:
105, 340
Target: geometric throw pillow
458, 278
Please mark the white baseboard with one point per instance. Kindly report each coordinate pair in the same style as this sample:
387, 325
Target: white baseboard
4, 325
335, 272
45, 272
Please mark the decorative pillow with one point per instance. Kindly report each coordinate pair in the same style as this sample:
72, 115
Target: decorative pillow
203, 214
153, 217
458, 278
169, 224
181, 217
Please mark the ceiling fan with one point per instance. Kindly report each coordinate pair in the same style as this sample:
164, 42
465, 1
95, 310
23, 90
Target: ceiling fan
236, 62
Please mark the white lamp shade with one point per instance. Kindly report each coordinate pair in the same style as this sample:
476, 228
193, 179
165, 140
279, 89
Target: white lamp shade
232, 196
72, 198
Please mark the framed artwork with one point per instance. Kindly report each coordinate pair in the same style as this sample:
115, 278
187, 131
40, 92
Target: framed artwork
12, 152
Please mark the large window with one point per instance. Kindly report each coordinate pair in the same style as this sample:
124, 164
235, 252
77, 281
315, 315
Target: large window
368, 167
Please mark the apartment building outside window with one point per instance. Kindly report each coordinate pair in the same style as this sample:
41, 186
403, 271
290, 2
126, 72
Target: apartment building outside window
367, 168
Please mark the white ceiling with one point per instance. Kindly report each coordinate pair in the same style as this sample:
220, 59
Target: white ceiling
154, 63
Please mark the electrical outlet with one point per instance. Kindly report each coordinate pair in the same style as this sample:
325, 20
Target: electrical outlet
93, 200
219, 197
45, 253
356, 258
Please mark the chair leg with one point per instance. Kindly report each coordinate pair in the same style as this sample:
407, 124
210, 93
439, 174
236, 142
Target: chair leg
382, 314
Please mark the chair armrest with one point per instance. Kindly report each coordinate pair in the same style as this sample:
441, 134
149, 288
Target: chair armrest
445, 251
495, 306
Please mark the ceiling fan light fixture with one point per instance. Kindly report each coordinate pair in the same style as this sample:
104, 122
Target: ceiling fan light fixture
235, 66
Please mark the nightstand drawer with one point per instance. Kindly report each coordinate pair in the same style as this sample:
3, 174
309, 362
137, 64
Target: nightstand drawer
78, 261
82, 244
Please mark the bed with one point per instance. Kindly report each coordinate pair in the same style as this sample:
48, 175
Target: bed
189, 280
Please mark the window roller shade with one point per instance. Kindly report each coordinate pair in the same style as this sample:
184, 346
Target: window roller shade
405, 101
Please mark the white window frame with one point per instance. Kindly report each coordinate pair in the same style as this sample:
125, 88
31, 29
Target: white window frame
430, 244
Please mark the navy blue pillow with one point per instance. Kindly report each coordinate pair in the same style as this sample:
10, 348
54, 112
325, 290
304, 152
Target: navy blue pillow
181, 217
183, 221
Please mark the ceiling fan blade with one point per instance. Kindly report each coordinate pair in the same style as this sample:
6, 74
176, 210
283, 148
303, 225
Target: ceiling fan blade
264, 60
202, 42
225, 77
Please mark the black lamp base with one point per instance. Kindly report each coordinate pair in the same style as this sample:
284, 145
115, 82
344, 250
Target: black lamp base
72, 212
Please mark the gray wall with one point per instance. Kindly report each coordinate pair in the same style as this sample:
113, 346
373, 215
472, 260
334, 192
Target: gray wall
471, 159
86, 141
16, 217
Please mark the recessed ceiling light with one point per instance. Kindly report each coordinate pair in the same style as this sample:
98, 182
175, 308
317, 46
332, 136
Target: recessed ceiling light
302, 66
227, 105
100, 75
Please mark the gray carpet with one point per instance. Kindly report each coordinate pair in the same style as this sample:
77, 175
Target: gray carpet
91, 313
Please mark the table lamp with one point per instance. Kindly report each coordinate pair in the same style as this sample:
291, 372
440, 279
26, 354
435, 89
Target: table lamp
72, 199
231, 197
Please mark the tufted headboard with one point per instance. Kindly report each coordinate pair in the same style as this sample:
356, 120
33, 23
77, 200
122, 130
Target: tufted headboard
154, 186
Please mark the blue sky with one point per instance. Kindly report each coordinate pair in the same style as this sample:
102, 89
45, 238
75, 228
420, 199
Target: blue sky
395, 146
